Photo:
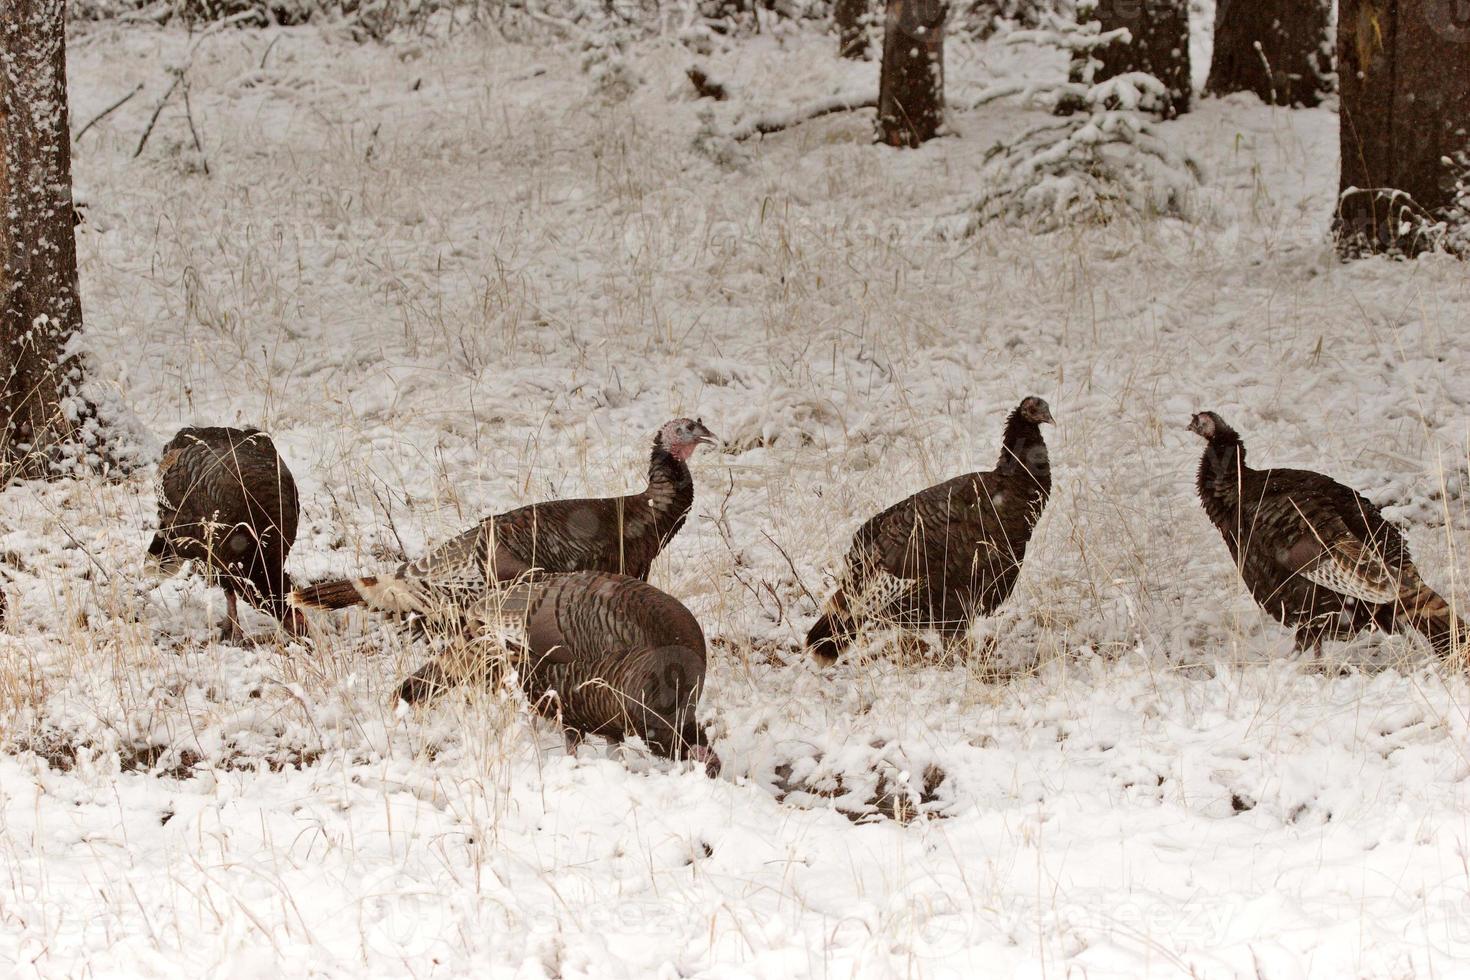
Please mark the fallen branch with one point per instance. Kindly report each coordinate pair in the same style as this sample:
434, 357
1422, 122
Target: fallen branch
565, 27
777, 121
268, 49
157, 110
997, 92
159, 13
198, 144
105, 112
795, 575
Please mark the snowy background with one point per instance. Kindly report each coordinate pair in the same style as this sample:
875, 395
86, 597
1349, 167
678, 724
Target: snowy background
453, 274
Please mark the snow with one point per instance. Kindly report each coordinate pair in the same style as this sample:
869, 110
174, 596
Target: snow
452, 276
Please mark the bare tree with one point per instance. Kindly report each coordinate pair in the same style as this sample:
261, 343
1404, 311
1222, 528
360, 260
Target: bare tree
1404, 75
1160, 44
1281, 51
911, 79
852, 29
40, 308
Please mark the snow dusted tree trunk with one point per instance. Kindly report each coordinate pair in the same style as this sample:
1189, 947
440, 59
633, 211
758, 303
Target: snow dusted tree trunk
911, 79
852, 29
40, 310
1404, 74
1281, 51
1160, 44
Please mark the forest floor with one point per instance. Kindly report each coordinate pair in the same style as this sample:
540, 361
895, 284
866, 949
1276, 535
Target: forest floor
453, 276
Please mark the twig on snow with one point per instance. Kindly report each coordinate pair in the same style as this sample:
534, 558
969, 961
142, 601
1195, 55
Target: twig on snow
157, 110
794, 573
268, 49
105, 112
198, 144
566, 27
776, 122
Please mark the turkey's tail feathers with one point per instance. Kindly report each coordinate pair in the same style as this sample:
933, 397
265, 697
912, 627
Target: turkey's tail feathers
334, 595
1431, 615
833, 632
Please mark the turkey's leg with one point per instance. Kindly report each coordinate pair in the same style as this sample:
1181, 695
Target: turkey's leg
230, 630
955, 643
1309, 639
911, 646
616, 747
572, 739
961, 646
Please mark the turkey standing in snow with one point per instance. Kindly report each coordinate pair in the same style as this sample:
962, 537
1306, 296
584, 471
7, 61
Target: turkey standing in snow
227, 501
941, 557
1317, 555
602, 654
606, 534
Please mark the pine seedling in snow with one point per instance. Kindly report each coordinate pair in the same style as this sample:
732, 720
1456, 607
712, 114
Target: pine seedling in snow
1453, 229
712, 142
1103, 159
1414, 228
605, 61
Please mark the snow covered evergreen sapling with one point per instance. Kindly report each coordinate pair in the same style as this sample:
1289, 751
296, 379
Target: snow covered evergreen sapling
1103, 159
1457, 221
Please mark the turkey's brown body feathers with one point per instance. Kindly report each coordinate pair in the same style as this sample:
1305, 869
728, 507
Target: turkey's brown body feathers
604, 654
227, 501
1317, 555
620, 535
947, 554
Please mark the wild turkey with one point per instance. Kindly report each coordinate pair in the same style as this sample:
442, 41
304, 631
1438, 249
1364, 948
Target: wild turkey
602, 654
227, 501
941, 557
1317, 555
607, 534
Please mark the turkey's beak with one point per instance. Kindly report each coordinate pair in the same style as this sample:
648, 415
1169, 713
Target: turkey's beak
704, 437
1046, 417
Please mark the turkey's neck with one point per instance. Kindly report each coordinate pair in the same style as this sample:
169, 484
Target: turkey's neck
1023, 454
670, 491
1221, 470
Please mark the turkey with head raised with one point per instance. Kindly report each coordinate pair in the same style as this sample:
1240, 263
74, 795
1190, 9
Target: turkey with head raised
947, 554
605, 534
600, 653
1317, 555
227, 501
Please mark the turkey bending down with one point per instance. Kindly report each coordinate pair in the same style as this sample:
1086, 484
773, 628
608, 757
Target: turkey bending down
600, 653
227, 501
1317, 555
945, 555
606, 534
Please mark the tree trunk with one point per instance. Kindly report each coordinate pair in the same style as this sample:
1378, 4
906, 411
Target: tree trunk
40, 310
1160, 45
911, 79
1404, 74
1281, 51
852, 29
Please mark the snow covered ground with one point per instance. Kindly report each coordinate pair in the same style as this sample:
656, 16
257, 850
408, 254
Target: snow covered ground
451, 276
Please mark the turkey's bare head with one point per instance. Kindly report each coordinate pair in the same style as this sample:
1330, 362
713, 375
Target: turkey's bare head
682, 437
1034, 409
1209, 426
